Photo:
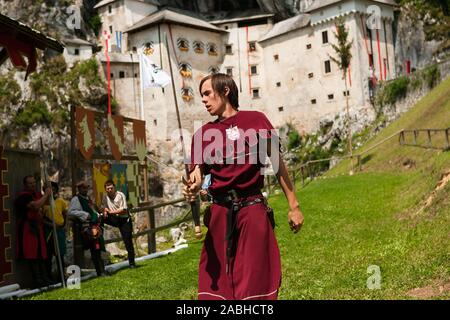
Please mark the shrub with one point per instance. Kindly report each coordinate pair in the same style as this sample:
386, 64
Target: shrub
34, 112
432, 75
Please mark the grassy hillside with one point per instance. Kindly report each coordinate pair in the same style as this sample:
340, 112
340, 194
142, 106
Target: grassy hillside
373, 218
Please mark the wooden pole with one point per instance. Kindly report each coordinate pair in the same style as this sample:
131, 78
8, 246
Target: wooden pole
447, 138
78, 251
302, 168
429, 138
195, 212
151, 237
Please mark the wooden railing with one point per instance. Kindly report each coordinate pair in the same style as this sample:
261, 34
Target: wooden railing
306, 170
430, 133
152, 230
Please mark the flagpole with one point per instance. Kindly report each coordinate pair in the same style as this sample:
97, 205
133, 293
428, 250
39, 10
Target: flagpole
108, 68
52, 211
141, 111
194, 208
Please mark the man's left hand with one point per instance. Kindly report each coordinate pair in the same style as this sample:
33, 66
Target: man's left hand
296, 219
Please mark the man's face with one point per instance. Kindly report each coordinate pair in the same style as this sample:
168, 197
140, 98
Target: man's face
30, 184
83, 190
214, 104
110, 190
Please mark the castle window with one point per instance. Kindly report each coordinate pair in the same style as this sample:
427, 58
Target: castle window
308, 46
255, 93
280, 109
212, 49
199, 47
109, 9
327, 66
325, 37
313, 101
77, 52
185, 69
213, 70
187, 94
252, 46
121, 74
278, 84
310, 75
230, 72
346, 93
183, 44
330, 96
110, 29
229, 49
276, 57
253, 70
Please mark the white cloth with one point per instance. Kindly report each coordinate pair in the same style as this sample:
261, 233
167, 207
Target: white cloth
152, 75
118, 203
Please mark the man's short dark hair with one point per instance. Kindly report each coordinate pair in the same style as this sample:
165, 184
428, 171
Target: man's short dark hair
109, 183
219, 81
24, 180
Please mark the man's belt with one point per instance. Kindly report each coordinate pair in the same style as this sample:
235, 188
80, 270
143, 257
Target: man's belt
234, 203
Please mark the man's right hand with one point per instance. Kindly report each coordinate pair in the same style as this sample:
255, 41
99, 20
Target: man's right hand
192, 186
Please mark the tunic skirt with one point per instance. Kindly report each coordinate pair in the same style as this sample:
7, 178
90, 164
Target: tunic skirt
255, 268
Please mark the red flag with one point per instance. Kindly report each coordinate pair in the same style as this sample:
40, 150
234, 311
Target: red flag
140, 139
85, 127
116, 137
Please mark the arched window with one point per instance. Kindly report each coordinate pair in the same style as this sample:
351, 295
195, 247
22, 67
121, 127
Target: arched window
183, 44
148, 48
199, 47
187, 94
213, 69
185, 69
212, 49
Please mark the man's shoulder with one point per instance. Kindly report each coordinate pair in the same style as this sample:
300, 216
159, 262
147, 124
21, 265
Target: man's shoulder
252, 114
121, 193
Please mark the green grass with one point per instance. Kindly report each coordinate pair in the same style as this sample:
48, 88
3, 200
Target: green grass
351, 223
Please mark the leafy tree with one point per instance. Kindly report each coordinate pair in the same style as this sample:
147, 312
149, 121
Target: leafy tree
343, 60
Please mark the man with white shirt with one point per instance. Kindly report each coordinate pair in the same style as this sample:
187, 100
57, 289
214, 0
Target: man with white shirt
115, 211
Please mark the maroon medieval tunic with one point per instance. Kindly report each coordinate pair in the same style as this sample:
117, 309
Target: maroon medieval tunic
228, 151
30, 228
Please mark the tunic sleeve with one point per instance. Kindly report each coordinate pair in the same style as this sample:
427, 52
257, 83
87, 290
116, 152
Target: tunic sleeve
268, 132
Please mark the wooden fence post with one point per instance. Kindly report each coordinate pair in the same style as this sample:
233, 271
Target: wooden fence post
302, 168
415, 137
359, 163
447, 138
401, 138
429, 138
78, 250
151, 237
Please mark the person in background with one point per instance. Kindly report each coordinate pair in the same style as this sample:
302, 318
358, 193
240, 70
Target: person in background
60, 212
115, 211
31, 245
82, 208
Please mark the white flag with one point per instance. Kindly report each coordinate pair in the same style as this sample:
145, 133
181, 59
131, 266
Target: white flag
152, 75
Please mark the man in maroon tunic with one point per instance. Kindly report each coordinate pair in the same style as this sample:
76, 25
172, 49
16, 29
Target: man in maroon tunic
31, 245
240, 257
